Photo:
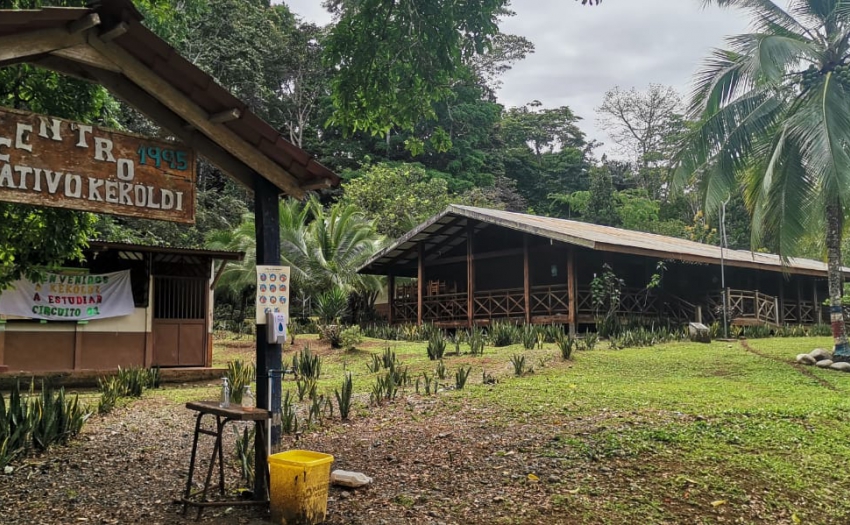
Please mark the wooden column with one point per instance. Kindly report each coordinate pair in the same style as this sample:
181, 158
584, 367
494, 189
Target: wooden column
420, 284
818, 308
78, 345
571, 291
3, 366
526, 278
390, 296
470, 274
780, 313
267, 232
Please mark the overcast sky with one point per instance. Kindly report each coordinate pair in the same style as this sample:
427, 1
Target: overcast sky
583, 51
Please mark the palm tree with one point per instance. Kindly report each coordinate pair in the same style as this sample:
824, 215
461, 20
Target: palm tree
328, 251
324, 249
772, 116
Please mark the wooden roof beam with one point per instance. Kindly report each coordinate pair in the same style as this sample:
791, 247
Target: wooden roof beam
114, 32
15, 47
84, 54
84, 24
183, 106
226, 116
149, 106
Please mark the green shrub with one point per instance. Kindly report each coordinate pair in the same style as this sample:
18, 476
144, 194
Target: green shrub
288, 417
38, 420
332, 333
431, 384
590, 340
305, 387
343, 397
528, 335
350, 338
475, 339
566, 345
436, 346
374, 365
307, 365
245, 453
388, 359
461, 377
110, 392
132, 381
441, 370
385, 388
552, 332
503, 334
520, 366
239, 375
332, 306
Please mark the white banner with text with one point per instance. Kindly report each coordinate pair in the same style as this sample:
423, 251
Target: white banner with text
70, 297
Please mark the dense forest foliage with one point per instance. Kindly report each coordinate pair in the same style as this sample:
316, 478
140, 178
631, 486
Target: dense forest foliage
431, 132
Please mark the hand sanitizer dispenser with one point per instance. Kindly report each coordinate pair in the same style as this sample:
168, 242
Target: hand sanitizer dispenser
276, 328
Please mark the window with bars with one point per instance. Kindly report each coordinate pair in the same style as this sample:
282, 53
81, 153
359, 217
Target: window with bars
179, 298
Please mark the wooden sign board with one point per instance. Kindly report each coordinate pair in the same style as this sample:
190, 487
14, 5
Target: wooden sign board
47, 161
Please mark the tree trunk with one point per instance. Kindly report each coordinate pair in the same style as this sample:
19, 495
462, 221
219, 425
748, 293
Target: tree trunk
834, 222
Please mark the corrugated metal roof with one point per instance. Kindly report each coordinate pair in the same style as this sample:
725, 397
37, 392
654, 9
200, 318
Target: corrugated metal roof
595, 237
223, 255
162, 59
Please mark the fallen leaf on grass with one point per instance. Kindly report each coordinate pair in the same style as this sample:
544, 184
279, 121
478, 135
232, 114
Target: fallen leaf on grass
532, 477
796, 519
718, 503
574, 491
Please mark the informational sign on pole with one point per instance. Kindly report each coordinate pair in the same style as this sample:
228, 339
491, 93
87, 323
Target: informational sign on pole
272, 291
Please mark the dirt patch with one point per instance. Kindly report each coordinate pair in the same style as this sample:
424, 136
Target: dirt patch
435, 460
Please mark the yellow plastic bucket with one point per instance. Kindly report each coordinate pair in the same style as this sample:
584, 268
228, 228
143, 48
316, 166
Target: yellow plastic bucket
299, 487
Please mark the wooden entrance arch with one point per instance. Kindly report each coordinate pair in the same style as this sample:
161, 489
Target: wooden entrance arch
107, 44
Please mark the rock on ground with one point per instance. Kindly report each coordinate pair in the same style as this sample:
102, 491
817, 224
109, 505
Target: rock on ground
819, 354
826, 363
806, 359
843, 367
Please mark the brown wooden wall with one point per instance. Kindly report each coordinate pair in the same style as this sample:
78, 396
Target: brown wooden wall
42, 351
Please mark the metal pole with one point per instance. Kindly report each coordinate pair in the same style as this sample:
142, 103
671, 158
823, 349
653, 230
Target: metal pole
723, 268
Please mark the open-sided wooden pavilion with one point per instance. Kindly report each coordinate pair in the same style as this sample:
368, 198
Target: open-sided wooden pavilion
473, 266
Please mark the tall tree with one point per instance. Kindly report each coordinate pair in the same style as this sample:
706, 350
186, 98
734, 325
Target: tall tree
601, 207
646, 126
773, 112
396, 58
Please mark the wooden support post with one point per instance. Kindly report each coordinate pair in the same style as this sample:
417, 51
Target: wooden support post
818, 308
3, 366
390, 296
780, 302
78, 346
778, 315
470, 275
571, 291
267, 231
526, 279
420, 284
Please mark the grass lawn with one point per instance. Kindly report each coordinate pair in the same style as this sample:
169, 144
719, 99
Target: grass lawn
677, 433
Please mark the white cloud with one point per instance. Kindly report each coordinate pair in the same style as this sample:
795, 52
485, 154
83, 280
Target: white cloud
583, 51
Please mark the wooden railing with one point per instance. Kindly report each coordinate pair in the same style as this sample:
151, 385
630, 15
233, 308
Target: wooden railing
551, 304
746, 307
